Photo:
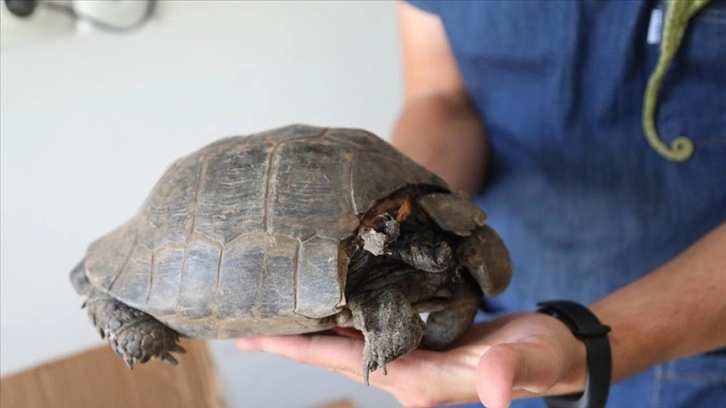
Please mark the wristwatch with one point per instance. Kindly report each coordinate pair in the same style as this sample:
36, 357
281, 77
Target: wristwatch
586, 327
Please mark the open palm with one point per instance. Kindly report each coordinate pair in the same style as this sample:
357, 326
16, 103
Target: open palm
511, 357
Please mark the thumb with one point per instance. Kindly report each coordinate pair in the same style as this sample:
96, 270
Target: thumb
515, 369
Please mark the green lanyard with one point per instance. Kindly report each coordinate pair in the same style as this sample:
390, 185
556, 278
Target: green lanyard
678, 14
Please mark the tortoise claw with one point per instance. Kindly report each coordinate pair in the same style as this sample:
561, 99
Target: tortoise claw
166, 356
178, 349
366, 372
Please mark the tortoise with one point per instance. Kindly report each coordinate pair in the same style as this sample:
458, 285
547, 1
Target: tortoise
294, 230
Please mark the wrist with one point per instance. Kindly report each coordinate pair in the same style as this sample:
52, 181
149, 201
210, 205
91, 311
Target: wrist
574, 380
574, 359
585, 326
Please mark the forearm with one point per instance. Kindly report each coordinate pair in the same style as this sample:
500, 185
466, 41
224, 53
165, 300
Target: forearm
446, 135
676, 311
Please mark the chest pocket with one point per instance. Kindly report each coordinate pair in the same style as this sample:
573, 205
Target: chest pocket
512, 56
509, 32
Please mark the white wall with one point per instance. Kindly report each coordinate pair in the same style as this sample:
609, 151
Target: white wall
89, 122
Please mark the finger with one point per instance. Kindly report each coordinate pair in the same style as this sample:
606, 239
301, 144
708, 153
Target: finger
494, 376
337, 353
344, 355
516, 370
341, 354
347, 332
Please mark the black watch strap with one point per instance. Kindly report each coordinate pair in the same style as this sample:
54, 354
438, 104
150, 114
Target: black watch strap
586, 327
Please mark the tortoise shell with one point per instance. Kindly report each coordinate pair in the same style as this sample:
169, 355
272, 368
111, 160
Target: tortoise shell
244, 235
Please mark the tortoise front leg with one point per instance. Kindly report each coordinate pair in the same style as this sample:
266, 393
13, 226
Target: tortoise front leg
134, 335
390, 325
445, 326
487, 260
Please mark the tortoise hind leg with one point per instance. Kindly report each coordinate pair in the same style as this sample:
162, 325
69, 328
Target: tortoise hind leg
134, 335
79, 280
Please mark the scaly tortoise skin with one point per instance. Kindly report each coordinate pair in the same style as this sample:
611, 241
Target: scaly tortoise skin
294, 230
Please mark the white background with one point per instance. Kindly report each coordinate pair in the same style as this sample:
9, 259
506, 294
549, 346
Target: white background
90, 121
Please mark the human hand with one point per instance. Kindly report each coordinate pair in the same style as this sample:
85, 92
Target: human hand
516, 356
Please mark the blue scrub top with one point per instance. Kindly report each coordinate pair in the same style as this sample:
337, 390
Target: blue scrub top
583, 201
